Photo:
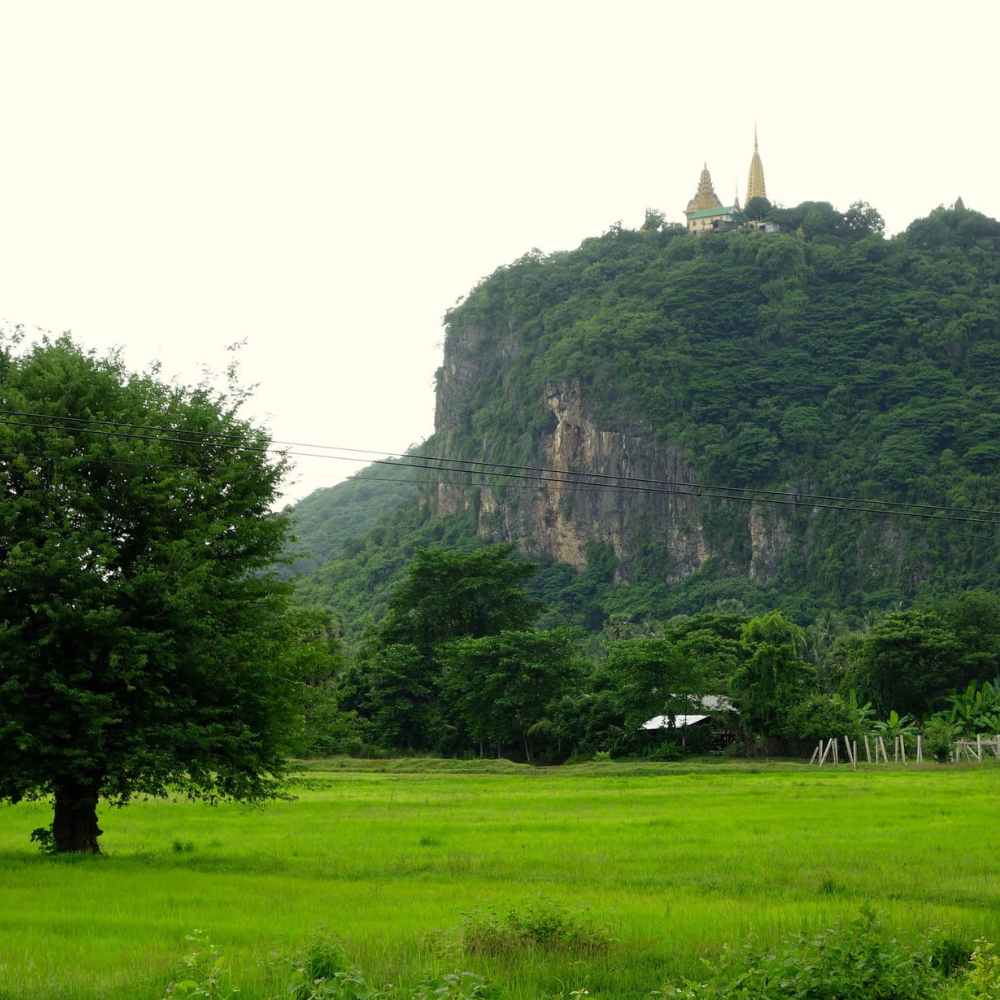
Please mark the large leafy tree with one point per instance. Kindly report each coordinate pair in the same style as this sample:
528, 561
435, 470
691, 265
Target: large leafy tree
504, 686
909, 661
773, 676
142, 640
446, 594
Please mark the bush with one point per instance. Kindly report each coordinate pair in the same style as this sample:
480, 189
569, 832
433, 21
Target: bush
666, 752
856, 961
202, 973
940, 734
321, 971
540, 926
982, 982
454, 986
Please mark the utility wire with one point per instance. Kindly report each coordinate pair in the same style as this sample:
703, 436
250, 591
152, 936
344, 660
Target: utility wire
191, 437
617, 483
576, 485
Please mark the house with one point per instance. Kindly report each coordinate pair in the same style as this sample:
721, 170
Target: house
703, 724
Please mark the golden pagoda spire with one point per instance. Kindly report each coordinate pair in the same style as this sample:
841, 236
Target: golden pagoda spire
705, 197
755, 183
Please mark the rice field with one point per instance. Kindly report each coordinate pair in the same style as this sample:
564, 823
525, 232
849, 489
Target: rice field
673, 861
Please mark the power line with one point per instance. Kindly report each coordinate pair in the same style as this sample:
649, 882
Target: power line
578, 486
283, 445
546, 475
692, 485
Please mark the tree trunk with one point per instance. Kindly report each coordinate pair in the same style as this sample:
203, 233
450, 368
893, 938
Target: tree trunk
74, 825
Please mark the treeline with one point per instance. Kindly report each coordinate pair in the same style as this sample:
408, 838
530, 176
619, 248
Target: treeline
458, 666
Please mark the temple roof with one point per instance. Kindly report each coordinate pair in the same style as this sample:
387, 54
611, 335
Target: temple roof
705, 197
708, 213
755, 183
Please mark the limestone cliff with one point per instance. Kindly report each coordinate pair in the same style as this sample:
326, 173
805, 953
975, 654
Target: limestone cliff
825, 360
558, 520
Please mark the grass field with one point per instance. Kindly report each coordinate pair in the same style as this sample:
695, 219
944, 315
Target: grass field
673, 860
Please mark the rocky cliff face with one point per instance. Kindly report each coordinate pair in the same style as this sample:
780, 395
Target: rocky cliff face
669, 533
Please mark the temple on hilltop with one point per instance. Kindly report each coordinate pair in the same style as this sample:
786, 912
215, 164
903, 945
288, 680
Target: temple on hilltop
706, 214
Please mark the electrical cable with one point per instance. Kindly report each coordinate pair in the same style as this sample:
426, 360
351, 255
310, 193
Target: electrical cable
622, 483
282, 446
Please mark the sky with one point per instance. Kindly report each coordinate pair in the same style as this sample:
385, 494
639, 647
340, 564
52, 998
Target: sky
322, 180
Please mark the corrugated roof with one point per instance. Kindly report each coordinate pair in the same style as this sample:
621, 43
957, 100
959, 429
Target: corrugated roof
680, 721
709, 213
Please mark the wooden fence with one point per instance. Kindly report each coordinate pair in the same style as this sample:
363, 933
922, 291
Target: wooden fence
828, 751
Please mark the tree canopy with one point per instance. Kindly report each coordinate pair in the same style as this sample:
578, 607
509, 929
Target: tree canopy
142, 636
825, 358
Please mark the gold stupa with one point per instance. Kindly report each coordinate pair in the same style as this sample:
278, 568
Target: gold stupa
755, 183
705, 196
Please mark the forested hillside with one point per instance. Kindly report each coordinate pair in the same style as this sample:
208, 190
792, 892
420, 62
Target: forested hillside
825, 359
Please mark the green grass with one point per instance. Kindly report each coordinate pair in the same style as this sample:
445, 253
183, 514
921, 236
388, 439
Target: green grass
673, 860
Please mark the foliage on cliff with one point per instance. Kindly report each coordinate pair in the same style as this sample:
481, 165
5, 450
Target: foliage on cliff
824, 359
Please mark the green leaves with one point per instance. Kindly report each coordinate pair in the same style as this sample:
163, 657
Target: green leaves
142, 641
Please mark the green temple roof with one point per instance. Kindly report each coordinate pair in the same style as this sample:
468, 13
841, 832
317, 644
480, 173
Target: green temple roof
709, 213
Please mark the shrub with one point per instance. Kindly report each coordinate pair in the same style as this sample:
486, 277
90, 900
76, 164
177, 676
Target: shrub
203, 973
940, 734
540, 926
855, 961
321, 971
982, 982
454, 986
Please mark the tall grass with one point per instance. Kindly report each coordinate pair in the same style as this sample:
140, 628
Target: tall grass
671, 863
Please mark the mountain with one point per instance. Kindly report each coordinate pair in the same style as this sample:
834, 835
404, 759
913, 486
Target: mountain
824, 359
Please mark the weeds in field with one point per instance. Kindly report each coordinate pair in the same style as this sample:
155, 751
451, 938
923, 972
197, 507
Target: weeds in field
322, 972
455, 986
203, 972
539, 926
983, 979
855, 961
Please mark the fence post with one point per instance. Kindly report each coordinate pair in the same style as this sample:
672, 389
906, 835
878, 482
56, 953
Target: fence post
868, 755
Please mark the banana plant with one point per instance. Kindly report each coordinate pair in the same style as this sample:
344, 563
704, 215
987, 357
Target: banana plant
897, 725
976, 709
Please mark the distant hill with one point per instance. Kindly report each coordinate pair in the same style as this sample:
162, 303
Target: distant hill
825, 359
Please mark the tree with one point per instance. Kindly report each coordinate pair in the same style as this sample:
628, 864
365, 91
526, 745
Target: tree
142, 639
448, 593
909, 661
863, 219
505, 685
397, 691
653, 677
773, 676
757, 208
317, 660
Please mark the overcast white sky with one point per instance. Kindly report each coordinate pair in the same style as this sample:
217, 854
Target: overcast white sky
325, 178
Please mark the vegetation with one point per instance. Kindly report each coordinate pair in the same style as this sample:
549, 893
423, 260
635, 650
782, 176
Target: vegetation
456, 667
143, 645
635, 874
823, 359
